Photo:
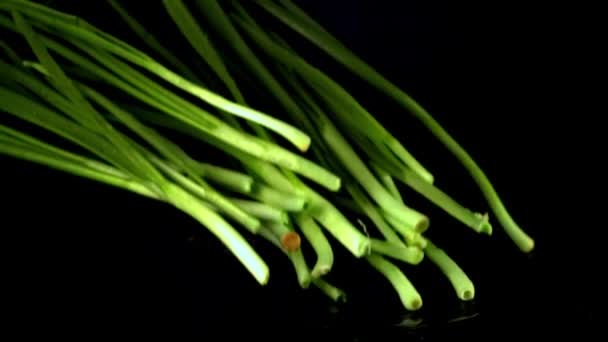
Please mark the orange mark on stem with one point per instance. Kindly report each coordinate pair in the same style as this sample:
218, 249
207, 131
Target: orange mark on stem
291, 241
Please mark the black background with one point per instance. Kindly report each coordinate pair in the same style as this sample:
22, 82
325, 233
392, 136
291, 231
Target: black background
512, 81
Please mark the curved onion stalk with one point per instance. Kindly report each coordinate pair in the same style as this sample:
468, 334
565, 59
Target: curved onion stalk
101, 40
314, 235
141, 31
299, 21
474, 220
213, 127
465, 290
407, 292
21, 146
27, 148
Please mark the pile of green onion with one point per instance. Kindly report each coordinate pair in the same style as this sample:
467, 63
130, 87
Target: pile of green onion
292, 177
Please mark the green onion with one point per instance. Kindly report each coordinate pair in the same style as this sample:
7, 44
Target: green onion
314, 235
407, 293
285, 201
334, 95
462, 284
228, 178
290, 243
10, 53
387, 181
411, 255
17, 104
329, 290
261, 211
411, 237
367, 180
21, 146
186, 202
476, 221
338, 225
368, 208
207, 193
151, 41
93, 119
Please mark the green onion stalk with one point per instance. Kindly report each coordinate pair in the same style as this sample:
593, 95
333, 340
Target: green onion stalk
297, 19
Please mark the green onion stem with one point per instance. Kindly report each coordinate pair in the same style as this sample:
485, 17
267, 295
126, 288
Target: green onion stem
216, 128
387, 181
10, 135
279, 199
263, 170
411, 237
270, 237
465, 290
150, 40
362, 202
476, 221
209, 194
295, 257
347, 204
302, 270
231, 179
210, 125
186, 202
10, 53
334, 221
407, 293
357, 168
165, 147
411, 255
217, 19
314, 235
89, 171
279, 229
22, 107
88, 116
364, 176
344, 105
334, 293
260, 210
198, 39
